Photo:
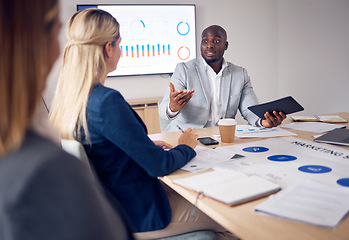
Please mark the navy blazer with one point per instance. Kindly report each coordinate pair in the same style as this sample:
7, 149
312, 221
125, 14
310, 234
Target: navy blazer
127, 162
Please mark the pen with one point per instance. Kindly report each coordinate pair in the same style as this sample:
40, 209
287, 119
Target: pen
180, 128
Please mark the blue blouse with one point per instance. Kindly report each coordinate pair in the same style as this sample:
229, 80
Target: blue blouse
127, 162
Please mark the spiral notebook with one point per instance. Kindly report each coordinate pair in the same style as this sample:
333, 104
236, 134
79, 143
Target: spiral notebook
229, 187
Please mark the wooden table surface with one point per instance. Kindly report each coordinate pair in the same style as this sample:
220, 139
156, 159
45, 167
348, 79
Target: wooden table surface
242, 220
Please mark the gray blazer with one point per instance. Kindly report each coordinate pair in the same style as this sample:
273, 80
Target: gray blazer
236, 93
46, 193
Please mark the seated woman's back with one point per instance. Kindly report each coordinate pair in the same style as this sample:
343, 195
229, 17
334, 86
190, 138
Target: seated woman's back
45, 193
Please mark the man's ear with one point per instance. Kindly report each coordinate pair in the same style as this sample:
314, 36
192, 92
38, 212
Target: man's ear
108, 49
226, 45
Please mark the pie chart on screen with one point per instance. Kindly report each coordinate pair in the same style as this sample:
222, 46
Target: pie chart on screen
183, 28
183, 53
137, 26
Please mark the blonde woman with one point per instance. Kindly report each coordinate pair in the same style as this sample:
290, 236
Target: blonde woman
44, 192
126, 161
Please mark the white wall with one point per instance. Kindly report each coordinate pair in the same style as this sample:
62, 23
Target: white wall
295, 47
314, 53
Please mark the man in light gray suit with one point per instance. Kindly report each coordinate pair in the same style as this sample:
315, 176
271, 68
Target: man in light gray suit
217, 89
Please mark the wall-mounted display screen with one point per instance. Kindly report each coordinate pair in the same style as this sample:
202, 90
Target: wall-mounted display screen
154, 37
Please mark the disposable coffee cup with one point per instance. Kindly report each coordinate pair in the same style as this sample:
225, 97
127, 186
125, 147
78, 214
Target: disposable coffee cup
227, 129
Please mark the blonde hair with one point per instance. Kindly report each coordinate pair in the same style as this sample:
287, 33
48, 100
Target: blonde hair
83, 67
25, 28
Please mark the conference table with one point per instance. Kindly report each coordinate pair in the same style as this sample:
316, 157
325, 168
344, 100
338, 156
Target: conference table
241, 219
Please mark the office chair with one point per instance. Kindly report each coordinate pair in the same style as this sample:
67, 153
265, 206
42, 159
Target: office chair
163, 122
76, 149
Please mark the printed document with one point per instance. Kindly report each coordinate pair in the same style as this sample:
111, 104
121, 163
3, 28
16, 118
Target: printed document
299, 159
207, 158
248, 131
309, 202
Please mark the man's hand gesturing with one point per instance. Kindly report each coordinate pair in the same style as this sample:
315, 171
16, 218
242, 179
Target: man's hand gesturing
179, 98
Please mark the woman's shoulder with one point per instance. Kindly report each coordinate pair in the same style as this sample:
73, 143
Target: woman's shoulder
37, 158
102, 93
103, 98
40, 151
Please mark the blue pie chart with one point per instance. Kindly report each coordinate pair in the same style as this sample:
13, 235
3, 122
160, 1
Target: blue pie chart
314, 169
183, 28
282, 158
343, 182
255, 149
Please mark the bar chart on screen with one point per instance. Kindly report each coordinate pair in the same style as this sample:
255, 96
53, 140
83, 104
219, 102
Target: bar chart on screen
155, 37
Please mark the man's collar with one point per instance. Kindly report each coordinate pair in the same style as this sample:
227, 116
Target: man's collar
224, 64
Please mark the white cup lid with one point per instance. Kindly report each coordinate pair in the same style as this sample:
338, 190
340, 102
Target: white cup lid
227, 122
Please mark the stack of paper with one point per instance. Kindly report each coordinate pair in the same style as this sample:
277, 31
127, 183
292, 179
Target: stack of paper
326, 118
309, 202
229, 187
317, 127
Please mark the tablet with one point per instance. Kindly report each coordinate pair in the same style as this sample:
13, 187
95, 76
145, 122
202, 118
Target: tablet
286, 105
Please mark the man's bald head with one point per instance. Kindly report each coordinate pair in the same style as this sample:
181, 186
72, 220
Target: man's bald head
217, 30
